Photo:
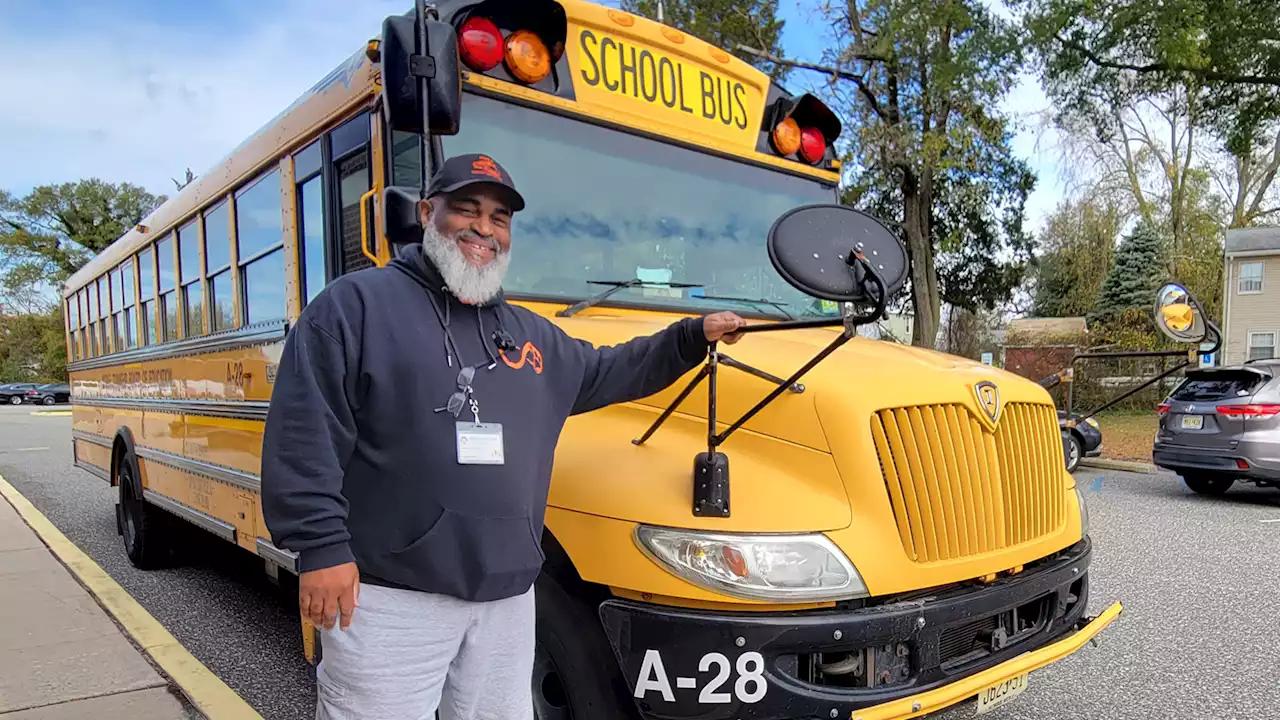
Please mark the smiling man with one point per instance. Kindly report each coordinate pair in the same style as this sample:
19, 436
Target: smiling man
407, 458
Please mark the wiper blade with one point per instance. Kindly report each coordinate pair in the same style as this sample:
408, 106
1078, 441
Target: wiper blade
753, 301
616, 286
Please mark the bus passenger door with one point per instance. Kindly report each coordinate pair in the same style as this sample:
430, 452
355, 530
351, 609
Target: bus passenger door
334, 177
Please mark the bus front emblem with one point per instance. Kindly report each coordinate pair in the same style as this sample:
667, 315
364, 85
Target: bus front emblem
988, 399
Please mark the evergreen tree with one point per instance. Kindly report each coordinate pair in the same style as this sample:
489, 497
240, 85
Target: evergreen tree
1137, 274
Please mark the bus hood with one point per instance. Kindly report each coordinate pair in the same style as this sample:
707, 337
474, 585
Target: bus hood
794, 466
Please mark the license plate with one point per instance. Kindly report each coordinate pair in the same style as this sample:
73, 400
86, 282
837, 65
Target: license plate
1192, 422
1001, 693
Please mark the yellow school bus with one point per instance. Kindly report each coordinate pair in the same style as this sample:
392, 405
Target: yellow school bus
902, 534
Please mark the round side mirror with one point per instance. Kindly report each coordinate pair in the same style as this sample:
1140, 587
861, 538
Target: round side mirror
810, 247
1179, 315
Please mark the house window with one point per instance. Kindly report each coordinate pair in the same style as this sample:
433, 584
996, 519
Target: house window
1251, 277
1262, 345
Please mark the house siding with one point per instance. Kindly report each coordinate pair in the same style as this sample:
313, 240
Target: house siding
1251, 312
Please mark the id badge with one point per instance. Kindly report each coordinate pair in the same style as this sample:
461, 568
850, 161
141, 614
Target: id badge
479, 443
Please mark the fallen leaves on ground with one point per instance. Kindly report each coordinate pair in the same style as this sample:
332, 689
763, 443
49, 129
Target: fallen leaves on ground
1128, 436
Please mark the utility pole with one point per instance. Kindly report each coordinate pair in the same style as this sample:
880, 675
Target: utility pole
660, 9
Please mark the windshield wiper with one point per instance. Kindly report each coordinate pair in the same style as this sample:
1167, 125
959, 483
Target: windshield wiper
616, 286
753, 301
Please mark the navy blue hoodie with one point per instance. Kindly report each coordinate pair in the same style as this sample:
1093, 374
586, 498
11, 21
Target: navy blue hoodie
356, 466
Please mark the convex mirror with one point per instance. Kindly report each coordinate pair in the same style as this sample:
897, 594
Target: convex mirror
1179, 315
810, 247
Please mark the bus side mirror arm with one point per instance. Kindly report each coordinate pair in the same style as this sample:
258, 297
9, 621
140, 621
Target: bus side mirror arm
711, 468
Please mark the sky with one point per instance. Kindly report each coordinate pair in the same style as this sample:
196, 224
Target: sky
140, 90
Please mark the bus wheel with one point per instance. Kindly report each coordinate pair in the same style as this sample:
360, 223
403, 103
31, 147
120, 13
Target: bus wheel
147, 533
575, 673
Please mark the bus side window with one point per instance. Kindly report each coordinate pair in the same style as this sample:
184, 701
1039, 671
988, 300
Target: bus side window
260, 249
352, 178
189, 277
168, 296
406, 159
310, 214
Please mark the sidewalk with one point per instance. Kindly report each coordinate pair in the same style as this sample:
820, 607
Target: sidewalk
61, 655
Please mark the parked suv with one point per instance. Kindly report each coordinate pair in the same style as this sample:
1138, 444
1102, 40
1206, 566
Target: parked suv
1221, 425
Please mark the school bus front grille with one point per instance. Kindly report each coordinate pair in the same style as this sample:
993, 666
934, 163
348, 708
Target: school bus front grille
958, 489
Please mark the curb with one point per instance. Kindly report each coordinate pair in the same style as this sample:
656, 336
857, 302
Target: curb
206, 691
52, 413
1125, 465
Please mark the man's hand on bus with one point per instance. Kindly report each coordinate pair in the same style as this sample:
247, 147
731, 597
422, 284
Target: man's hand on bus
720, 326
325, 594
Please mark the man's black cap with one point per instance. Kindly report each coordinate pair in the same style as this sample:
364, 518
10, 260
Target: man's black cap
463, 170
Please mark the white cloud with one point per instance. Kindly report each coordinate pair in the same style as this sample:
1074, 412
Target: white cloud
134, 101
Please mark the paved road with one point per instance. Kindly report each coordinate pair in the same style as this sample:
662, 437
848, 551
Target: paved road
1199, 636
222, 607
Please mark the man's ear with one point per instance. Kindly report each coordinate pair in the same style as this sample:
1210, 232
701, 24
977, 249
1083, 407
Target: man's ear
424, 211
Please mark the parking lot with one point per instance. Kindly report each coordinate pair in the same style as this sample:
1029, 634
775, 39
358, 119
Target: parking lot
1198, 638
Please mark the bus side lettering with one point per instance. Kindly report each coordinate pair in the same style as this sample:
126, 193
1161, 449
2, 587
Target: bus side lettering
650, 76
586, 52
647, 63
628, 69
665, 68
605, 44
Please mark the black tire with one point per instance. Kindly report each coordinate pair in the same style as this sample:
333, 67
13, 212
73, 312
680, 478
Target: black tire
1072, 450
1208, 484
575, 675
147, 531
47, 400
15, 399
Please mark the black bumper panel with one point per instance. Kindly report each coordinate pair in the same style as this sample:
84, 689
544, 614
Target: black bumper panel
705, 665
1179, 459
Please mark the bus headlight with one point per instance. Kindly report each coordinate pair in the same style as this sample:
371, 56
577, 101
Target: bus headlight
1084, 514
776, 568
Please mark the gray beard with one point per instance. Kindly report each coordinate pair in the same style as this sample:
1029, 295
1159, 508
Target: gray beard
467, 282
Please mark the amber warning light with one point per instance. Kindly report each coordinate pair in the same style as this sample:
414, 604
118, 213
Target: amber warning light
483, 47
802, 128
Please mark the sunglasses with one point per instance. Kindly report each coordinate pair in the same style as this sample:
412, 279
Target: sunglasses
458, 400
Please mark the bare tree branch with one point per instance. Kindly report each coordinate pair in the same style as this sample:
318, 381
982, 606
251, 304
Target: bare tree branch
1157, 67
826, 70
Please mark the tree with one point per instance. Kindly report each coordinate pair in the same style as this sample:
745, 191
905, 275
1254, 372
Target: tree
1078, 241
1137, 274
46, 235
921, 84
725, 24
33, 347
1226, 47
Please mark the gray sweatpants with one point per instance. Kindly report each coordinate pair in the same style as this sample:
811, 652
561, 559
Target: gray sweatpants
408, 653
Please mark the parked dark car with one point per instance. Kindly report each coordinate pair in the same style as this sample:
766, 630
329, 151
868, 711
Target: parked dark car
1081, 437
1222, 425
15, 393
49, 394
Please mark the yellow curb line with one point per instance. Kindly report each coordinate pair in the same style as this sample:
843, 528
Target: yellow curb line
52, 413
205, 690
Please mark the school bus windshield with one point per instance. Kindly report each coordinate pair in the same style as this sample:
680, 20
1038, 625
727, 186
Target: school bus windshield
604, 205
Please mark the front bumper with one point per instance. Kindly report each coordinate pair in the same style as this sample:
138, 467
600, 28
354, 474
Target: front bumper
922, 653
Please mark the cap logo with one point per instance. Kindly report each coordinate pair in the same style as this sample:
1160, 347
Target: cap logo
486, 166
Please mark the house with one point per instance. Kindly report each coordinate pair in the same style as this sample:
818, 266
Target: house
1038, 347
1251, 310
